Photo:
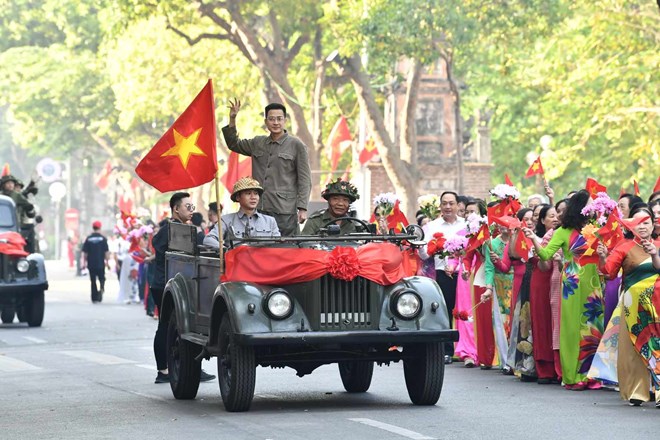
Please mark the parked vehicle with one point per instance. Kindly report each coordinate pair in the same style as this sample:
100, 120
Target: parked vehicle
22, 276
302, 302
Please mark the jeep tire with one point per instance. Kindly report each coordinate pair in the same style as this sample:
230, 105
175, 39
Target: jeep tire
236, 369
356, 375
7, 315
184, 370
34, 309
424, 370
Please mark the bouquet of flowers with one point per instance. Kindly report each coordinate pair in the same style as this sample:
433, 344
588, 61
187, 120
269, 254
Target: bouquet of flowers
429, 204
600, 208
474, 223
436, 245
455, 246
505, 192
385, 203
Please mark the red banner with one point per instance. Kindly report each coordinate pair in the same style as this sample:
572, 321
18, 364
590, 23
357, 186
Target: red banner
381, 263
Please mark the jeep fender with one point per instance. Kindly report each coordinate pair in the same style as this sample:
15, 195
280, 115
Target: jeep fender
429, 292
235, 298
38, 260
176, 298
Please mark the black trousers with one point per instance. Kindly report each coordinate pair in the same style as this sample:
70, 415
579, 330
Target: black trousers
448, 287
160, 338
94, 274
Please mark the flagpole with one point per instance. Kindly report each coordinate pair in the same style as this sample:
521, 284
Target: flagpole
220, 232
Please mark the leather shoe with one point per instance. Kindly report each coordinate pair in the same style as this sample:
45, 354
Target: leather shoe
205, 377
162, 378
448, 359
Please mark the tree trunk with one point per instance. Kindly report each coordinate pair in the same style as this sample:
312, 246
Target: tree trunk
408, 132
399, 172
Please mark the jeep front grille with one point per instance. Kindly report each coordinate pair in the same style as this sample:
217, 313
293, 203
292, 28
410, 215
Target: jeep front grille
345, 304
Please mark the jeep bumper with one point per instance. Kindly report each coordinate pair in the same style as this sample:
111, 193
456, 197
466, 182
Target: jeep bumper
348, 337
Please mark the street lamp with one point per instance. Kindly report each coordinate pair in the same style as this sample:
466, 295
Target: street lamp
57, 191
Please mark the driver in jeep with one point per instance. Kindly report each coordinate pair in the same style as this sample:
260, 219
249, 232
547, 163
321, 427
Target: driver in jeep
339, 194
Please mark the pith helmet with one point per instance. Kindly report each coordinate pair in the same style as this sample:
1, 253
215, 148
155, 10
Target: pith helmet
340, 188
244, 184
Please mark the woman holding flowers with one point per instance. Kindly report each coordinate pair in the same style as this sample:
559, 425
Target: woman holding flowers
639, 330
582, 294
473, 263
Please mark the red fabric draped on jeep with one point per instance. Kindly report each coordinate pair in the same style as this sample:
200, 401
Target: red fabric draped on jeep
12, 243
381, 263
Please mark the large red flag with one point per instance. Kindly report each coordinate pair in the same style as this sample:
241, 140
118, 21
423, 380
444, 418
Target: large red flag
339, 141
368, 152
237, 168
593, 187
535, 168
103, 178
657, 185
185, 157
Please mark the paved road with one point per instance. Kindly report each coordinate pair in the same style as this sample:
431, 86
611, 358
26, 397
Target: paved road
88, 374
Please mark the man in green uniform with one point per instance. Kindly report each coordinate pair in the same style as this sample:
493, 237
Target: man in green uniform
339, 194
23, 205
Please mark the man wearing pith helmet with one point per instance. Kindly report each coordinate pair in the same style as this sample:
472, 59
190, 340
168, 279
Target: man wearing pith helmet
339, 194
247, 221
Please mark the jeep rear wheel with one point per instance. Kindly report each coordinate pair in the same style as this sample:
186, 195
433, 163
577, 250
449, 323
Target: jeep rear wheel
424, 371
356, 375
236, 370
35, 309
7, 315
184, 370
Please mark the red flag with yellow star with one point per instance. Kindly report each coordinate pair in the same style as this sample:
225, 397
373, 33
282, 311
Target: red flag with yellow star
611, 233
593, 187
185, 157
535, 168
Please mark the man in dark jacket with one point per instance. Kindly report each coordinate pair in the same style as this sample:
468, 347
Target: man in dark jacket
182, 211
95, 256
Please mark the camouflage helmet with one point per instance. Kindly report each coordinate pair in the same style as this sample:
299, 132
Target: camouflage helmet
8, 178
340, 188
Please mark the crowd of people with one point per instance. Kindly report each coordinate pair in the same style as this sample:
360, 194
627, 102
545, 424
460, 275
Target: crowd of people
551, 295
554, 295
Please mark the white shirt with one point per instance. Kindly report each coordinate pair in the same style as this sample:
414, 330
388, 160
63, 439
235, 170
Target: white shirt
447, 229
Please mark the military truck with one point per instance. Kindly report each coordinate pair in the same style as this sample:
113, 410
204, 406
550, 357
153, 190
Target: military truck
22, 276
302, 302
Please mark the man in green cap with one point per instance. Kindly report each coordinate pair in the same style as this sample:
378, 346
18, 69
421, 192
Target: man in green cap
339, 194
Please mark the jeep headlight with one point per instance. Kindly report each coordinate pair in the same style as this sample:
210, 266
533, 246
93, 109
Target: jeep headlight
278, 304
22, 265
406, 304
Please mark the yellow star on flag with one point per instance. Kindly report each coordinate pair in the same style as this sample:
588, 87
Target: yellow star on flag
589, 251
535, 166
615, 225
523, 245
480, 235
184, 147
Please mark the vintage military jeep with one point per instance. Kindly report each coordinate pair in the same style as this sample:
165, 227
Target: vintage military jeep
302, 302
22, 276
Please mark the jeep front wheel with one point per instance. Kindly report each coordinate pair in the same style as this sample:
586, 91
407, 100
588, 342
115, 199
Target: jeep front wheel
424, 370
236, 370
356, 375
35, 309
184, 370
7, 315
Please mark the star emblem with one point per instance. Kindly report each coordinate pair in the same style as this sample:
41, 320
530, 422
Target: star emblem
184, 147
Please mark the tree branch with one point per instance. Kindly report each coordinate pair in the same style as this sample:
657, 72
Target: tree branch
192, 41
295, 49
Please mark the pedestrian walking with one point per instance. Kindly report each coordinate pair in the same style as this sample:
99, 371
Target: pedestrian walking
95, 259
